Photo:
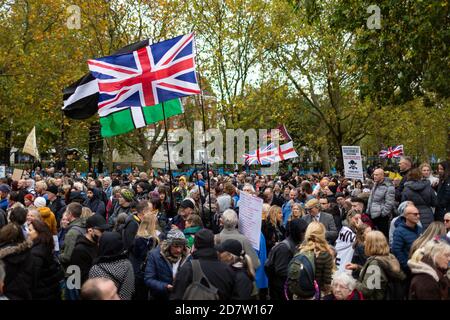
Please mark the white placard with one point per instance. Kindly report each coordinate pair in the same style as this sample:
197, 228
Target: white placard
344, 248
250, 218
352, 162
2, 172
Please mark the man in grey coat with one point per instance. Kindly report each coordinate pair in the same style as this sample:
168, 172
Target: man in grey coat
315, 214
230, 221
381, 202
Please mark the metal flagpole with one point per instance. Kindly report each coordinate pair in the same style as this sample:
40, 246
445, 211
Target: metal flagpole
204, 133
168, 159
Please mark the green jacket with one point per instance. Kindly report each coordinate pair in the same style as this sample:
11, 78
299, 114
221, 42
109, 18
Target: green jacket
376, 274
189, 234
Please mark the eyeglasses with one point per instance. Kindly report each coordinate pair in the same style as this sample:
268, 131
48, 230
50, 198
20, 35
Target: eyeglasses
446, 220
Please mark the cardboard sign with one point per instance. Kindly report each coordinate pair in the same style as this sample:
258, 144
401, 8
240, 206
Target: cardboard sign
17, 174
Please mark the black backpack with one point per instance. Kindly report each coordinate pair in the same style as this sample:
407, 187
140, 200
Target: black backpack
197, 290
269, 265
395, 290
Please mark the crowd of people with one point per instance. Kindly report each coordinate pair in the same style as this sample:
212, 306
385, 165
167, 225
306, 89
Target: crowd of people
140, 236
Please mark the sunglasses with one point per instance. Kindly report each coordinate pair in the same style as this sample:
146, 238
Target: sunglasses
446, 220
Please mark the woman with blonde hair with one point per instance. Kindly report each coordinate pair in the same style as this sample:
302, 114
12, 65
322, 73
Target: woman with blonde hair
427, 171
296, 212
436, 228
381, 262
86, 213
147, 238
429, 265
273, 229
316, 244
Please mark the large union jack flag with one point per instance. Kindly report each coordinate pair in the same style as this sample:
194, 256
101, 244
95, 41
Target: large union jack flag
390, 153
262, 156
148, 76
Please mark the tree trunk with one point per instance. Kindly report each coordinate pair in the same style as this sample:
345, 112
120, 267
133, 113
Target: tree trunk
325, 157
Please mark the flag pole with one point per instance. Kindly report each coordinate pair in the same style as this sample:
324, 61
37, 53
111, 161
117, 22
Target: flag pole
204, 133
168, 158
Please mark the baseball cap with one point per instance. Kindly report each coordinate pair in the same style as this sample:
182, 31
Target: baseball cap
97, 222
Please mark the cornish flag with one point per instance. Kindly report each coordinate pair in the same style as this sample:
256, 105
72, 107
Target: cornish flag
148, 76
390, 153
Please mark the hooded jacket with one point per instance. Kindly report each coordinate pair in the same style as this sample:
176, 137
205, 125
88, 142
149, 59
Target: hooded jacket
158, 271
389, 270
443, 198
47, 274
83, 255
19, 270
423, 197
96, 203
428, 282
403, 239
114, 265
49, 218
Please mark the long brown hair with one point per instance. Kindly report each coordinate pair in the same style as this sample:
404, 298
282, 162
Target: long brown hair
45, 236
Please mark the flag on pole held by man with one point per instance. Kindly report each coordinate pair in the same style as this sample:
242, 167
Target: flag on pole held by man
271, 154
148, 76
30, 146
81, 97
395, 152
128, 119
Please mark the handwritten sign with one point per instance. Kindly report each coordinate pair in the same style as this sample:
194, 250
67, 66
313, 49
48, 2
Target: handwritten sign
250, 218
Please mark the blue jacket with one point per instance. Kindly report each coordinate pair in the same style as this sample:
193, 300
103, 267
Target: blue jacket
286, 209
404, 237
260, 275
158, 274
4, 204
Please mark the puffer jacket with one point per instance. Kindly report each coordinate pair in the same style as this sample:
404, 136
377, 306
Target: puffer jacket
381, 200
389, 270
402, 241
423, 197
19, 270
428, 282
443, 196
47, 274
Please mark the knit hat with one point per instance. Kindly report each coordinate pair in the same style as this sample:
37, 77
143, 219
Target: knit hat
29, 197
52, 189
5, 188
186, 203
40, 202
402, 207
232, 246
127, 194
204, 239
176, 237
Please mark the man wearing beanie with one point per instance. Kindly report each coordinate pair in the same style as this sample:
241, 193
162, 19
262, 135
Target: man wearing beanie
185, 210
124, 206
164, 263
219, 274
55, 203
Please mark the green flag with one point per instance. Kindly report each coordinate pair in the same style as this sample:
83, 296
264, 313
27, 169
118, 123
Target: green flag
129, 119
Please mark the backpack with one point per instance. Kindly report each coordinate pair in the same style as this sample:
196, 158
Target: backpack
269, 265
301, 272
197, 290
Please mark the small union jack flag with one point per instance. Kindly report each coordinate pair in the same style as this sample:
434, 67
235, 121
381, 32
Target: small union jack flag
262, 156
148, 76
395, 152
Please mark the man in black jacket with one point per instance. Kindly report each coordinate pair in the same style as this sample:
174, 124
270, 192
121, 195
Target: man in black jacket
219, 274
276, 266
132, 223
405, 165
86, 247
55, 203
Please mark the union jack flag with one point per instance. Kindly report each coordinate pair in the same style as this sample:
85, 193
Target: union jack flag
266, 155
148, 76
390, 153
